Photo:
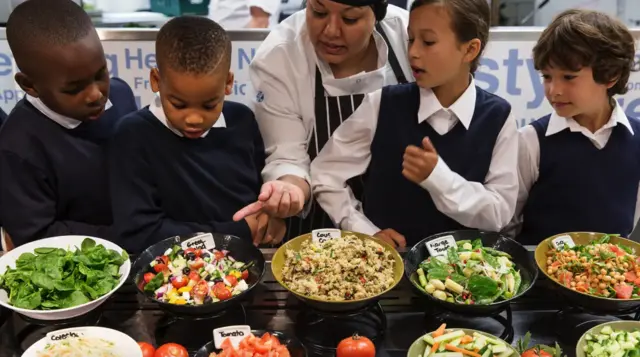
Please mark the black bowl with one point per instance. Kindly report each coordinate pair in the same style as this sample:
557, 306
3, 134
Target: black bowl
520, 256
295, 347
240, 249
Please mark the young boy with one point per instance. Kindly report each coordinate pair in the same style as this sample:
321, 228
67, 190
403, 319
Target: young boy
579, 167
440, 154
53, 178
191, 159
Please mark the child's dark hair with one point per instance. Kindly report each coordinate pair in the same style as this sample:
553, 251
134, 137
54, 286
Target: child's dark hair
470, 19
40, 24
194, 45
582, 38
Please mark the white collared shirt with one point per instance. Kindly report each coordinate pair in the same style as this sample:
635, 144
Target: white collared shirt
156, 109
283, 75
487, 206
529, 154
236, 14
64, 121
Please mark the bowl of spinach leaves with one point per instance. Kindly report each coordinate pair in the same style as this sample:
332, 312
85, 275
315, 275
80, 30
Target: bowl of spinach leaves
61, 277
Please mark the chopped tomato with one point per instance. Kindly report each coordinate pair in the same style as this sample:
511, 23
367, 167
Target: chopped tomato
200, 290
566, 277
165, 259
245, 274
555, 264
179, 281
232, 280
221, 292
619, 252
624, 292
196, 264
363, 280
637, 282
630, 276
226, 344
148, 276
218, 255
190, 250
159, 268
193, 275
251, 346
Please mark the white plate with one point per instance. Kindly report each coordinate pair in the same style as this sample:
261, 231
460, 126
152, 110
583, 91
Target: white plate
125, 346
64, 242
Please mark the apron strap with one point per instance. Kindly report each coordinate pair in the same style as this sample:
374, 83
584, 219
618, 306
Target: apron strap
393, 59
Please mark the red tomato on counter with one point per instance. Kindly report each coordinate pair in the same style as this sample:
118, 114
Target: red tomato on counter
171, 350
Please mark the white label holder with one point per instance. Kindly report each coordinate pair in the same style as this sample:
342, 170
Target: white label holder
439, 246
235, 334
202, 241
562, 242
323, 235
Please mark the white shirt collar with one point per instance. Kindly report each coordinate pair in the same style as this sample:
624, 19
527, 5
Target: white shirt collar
558, 123
156, 109
360, 82
64, 121
463, 107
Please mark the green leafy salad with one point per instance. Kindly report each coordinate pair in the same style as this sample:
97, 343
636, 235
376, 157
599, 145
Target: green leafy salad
55, 278
470, 274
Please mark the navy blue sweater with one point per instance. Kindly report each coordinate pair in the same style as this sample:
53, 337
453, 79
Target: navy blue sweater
581, 187
392, 201
165, 185
3, 117
53, 180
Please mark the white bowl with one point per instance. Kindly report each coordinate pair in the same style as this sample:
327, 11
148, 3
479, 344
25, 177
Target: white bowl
64, 242
124, 345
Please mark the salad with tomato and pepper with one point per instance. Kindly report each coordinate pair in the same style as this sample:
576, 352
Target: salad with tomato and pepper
195, 276
599, 268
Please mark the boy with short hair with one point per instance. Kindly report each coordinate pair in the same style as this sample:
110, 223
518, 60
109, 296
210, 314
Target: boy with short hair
53, 178
191, 159
579, 166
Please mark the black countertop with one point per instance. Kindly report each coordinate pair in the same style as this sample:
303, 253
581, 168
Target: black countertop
272, 307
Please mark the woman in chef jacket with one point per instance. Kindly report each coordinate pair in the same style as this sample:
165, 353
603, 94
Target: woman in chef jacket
238, 14
310, 74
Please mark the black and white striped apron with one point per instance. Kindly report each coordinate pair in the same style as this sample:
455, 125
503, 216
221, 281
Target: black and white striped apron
330, 112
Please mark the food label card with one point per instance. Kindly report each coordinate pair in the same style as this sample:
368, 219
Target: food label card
65, 334
562, 242
440, 245
323, 235
234, 333
202, 241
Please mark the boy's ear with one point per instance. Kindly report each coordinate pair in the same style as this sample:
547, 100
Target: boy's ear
228, 88
613, 82
154, 80
472, 50
26, 84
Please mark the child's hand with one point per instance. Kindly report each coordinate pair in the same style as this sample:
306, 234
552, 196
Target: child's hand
392, 237
277, 198
419, 162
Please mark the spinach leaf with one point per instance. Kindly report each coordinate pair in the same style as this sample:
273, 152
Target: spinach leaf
491, 260
452, 255
54, 278
460, 279
477, 244
496, 253
482, 287
432, 263
436, 273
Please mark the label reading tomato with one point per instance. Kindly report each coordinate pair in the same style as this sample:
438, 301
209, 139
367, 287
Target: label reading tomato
235, 334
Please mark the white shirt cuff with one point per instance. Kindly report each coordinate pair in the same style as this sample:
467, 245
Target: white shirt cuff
439, 179
361, 226
275, 171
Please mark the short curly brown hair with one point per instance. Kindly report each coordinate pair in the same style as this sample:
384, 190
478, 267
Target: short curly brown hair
583, 38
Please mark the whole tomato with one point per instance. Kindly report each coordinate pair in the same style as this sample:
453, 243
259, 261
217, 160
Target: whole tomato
356, 346
171, 350
147, 349
536, 352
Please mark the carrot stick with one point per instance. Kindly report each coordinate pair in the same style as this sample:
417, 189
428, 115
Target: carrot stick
440, 331
461, 350
466, 339
435, 347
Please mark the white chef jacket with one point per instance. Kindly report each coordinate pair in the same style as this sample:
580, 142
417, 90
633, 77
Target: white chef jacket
486, 206
236, 14
283, 75
529, 154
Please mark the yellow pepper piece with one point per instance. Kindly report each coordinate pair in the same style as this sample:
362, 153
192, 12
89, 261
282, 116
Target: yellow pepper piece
180, 302
173, 293
235, 273
185, 289
173, 300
